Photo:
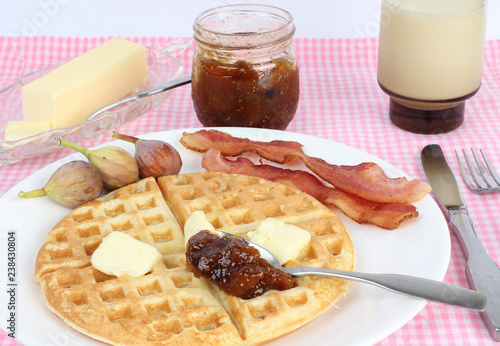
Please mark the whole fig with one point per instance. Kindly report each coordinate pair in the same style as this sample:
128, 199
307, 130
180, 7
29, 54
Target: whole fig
155, 158
116, 167
71, 185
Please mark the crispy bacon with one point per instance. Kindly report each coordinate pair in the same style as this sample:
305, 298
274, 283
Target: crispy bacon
203, 140
366, 180
385, 215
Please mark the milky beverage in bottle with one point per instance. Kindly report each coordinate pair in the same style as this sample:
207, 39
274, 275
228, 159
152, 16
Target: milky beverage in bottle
431, 50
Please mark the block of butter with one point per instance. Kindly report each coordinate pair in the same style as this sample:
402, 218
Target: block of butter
24, 128
120, 254
67, 95
283, 240
196, 222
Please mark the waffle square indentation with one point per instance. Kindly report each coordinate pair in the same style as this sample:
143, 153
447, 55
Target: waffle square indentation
207, 322
180, 180
184, 281
217, 187
61, 253
189, 193
215, 221
83, 215
243, 217
288, 191
307, 254
302, 205
295, 300
162, 237
91, 247
122, 225
153, 219
149, 203
322, 228
112, 210
192, 302
100, 276
260, 194
161, 307
260, 311
149, 288
174, 261
205, 206
141, 188
68, 278
111, 293
171, 326
333, 246
60, 237
121, 312
273, 210
230, 201
78, 298
88, 230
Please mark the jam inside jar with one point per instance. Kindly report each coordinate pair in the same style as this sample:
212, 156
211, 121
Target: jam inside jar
244, 67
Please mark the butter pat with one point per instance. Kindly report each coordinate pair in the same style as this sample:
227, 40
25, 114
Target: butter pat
69, 94
120, 254
283, 240
21, 129
196, 222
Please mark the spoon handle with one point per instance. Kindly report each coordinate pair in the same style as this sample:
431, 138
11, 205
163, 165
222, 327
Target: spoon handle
146, 93
436, 291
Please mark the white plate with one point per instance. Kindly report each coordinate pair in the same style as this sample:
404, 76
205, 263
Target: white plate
419, 247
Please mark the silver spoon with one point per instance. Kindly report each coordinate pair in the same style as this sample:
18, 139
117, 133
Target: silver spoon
148, 92
436, 291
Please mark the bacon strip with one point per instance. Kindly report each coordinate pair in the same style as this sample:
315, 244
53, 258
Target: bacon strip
385, 215
203, 140
366, 180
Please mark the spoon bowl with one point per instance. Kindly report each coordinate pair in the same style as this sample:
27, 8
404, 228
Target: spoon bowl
416, 287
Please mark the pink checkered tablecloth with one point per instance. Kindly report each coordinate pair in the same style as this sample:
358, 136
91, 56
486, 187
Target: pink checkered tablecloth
341, 101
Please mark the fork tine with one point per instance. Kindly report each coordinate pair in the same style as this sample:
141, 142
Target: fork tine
473, 172
488, 181
493, 172
465, 176
482, 170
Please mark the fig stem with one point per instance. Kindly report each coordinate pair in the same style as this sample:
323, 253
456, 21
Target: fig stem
32, 194
125, 137
62, 142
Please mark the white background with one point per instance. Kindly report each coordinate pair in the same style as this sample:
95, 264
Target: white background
167, 18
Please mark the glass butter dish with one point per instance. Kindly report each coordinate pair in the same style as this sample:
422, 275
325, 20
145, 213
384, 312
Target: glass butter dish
163, 66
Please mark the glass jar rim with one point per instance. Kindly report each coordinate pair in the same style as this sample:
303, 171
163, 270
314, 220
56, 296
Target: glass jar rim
204, 22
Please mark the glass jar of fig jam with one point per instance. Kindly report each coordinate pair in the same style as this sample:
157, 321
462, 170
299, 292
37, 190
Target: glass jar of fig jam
244, 67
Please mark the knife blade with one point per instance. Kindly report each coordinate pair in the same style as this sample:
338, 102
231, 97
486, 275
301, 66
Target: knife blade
483, 274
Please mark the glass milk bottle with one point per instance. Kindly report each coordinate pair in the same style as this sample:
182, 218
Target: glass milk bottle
430, 60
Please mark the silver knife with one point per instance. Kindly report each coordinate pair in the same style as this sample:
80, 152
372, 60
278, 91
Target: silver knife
483, 274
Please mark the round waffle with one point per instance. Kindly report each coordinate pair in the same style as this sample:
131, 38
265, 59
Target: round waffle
169, 305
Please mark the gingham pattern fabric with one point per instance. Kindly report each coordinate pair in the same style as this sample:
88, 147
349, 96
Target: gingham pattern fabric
341, 101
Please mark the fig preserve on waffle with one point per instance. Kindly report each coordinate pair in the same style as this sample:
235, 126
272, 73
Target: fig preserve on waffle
169, 305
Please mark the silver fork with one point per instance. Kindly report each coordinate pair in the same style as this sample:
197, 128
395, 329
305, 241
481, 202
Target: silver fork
486, 178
